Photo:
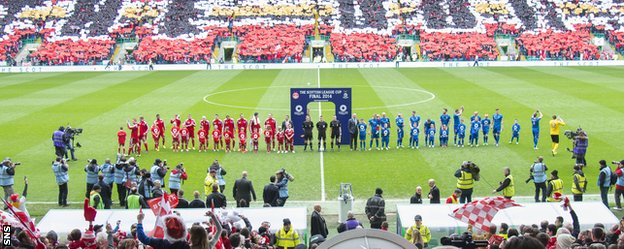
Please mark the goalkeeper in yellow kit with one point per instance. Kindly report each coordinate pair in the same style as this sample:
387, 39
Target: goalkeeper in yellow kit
555, 124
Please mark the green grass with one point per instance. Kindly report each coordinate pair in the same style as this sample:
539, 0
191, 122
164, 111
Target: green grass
34, 105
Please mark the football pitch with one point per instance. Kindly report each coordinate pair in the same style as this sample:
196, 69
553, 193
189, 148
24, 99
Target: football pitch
34, 105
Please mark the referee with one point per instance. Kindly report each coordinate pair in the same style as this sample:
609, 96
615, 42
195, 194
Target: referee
321, 126
555, 124
336, 132
307, 133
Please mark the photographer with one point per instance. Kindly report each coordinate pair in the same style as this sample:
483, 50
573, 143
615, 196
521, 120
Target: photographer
120, 179
92, 169
57, 138
465, 181
282, 178
159, 171
220, 172
60, 169
539, 177
68, 140
580, 147
176, 177
7, 172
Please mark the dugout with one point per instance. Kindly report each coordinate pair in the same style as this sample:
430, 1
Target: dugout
436, 216
64, 220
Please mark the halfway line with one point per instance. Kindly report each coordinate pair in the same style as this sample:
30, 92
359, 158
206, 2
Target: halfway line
318, 81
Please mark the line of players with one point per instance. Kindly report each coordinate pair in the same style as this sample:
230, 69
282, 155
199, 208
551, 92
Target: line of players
224, 134
380, 127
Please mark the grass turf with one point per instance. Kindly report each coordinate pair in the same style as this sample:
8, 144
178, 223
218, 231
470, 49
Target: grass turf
34, 105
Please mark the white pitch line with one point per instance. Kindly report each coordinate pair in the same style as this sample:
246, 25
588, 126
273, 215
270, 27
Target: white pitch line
318, 83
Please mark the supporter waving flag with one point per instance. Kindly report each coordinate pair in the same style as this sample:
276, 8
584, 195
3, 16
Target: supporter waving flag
161, 207
480, 213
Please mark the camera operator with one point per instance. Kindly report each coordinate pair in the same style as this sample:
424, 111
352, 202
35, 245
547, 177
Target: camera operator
282, 178
57, 138
580, 147
176, 178
159, 171
68, 140
465, 182
120, 179
7, 172
60, 169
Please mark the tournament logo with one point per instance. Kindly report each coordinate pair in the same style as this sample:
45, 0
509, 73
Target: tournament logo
345, 95
342, 110
298, 110
295, 95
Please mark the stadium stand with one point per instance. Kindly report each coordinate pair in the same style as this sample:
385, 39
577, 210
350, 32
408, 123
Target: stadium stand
279, 31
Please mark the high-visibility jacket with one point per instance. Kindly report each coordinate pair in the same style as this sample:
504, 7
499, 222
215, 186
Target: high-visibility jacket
424, 232
582, 182
510, 190
557, 186
285, 239
133, 201
92, 200
465, 181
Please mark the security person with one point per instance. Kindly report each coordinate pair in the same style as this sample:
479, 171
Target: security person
538, 175
465, 182
7, 174
92, 169
507, 185
375, 209
321, 127
308, 125
95, 199
60, 168
286, 238
555, 185
424, 231
580, 183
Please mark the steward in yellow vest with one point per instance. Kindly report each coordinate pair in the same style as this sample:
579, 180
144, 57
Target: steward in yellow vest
555, 185
287, 237
580, 183
507, 185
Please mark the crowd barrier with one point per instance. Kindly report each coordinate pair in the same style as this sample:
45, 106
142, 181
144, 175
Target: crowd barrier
346, 65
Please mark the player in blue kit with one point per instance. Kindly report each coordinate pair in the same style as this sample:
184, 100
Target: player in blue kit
515, 132
461, 133
475, 127
414, 136
537, 116
399, 123
384, 120
374, 125
445, 118
385, 136
497, 125
444, 136
431, 135
362, 128
485, 126
414, 119
456, 118
475, 116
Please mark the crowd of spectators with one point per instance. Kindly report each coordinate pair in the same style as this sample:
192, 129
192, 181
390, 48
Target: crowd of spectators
461, 46
172, 51
617, 38
361, 47
73, 52
281, 43
91, 18
556, 45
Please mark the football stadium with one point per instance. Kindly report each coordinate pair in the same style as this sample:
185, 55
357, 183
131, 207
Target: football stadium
311, 124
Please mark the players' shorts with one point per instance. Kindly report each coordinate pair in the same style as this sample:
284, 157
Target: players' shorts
322, 136
485, 132
496, 130
307, 136
134, 140
375, 135
155, 138
202, 141
280, 141
185, 139
122, 143
555, 138
176, 140
363, 136
335, 135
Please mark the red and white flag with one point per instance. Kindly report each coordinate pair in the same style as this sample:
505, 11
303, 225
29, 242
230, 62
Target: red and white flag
480, 213
26, 223
160, 207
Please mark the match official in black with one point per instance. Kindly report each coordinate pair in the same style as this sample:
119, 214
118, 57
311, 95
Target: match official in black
308, 125
321, 127
336, 132
353, 132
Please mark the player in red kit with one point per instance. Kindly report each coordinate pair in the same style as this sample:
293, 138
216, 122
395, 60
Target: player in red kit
202, 136
272, 123
217, 124
156, 136
184, 137
161, 125
175, 121
254, 123
121, 140
280, 140
242, 136
289, 135
255, 136
134, 137
190, 125
143, 130
228, 137
205, 124
228, 123
175, 138
268, 137
216, 138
